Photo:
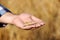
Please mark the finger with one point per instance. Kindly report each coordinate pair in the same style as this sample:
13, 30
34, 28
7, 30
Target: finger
37, 20
29, 26
38, 25
26, 27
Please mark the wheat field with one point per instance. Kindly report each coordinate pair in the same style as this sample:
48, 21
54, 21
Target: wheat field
47, 10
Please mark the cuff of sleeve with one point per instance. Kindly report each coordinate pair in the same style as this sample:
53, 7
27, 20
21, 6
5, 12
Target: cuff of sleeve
3, 10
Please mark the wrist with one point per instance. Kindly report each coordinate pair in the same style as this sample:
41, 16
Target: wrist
7, 17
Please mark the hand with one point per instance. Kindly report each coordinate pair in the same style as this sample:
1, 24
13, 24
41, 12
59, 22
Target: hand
23, 21
27, 21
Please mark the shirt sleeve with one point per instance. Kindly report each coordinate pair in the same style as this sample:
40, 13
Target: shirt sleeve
3, 10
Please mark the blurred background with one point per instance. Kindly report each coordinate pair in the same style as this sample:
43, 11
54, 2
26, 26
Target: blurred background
47, 10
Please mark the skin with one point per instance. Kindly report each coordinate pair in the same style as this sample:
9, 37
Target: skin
23, 21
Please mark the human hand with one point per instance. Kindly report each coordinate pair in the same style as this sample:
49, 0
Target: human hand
27, 21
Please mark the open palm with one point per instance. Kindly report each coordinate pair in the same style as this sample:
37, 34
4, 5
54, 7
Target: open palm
27, 21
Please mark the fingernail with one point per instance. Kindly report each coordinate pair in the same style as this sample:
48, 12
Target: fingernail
37, 25
42, 23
